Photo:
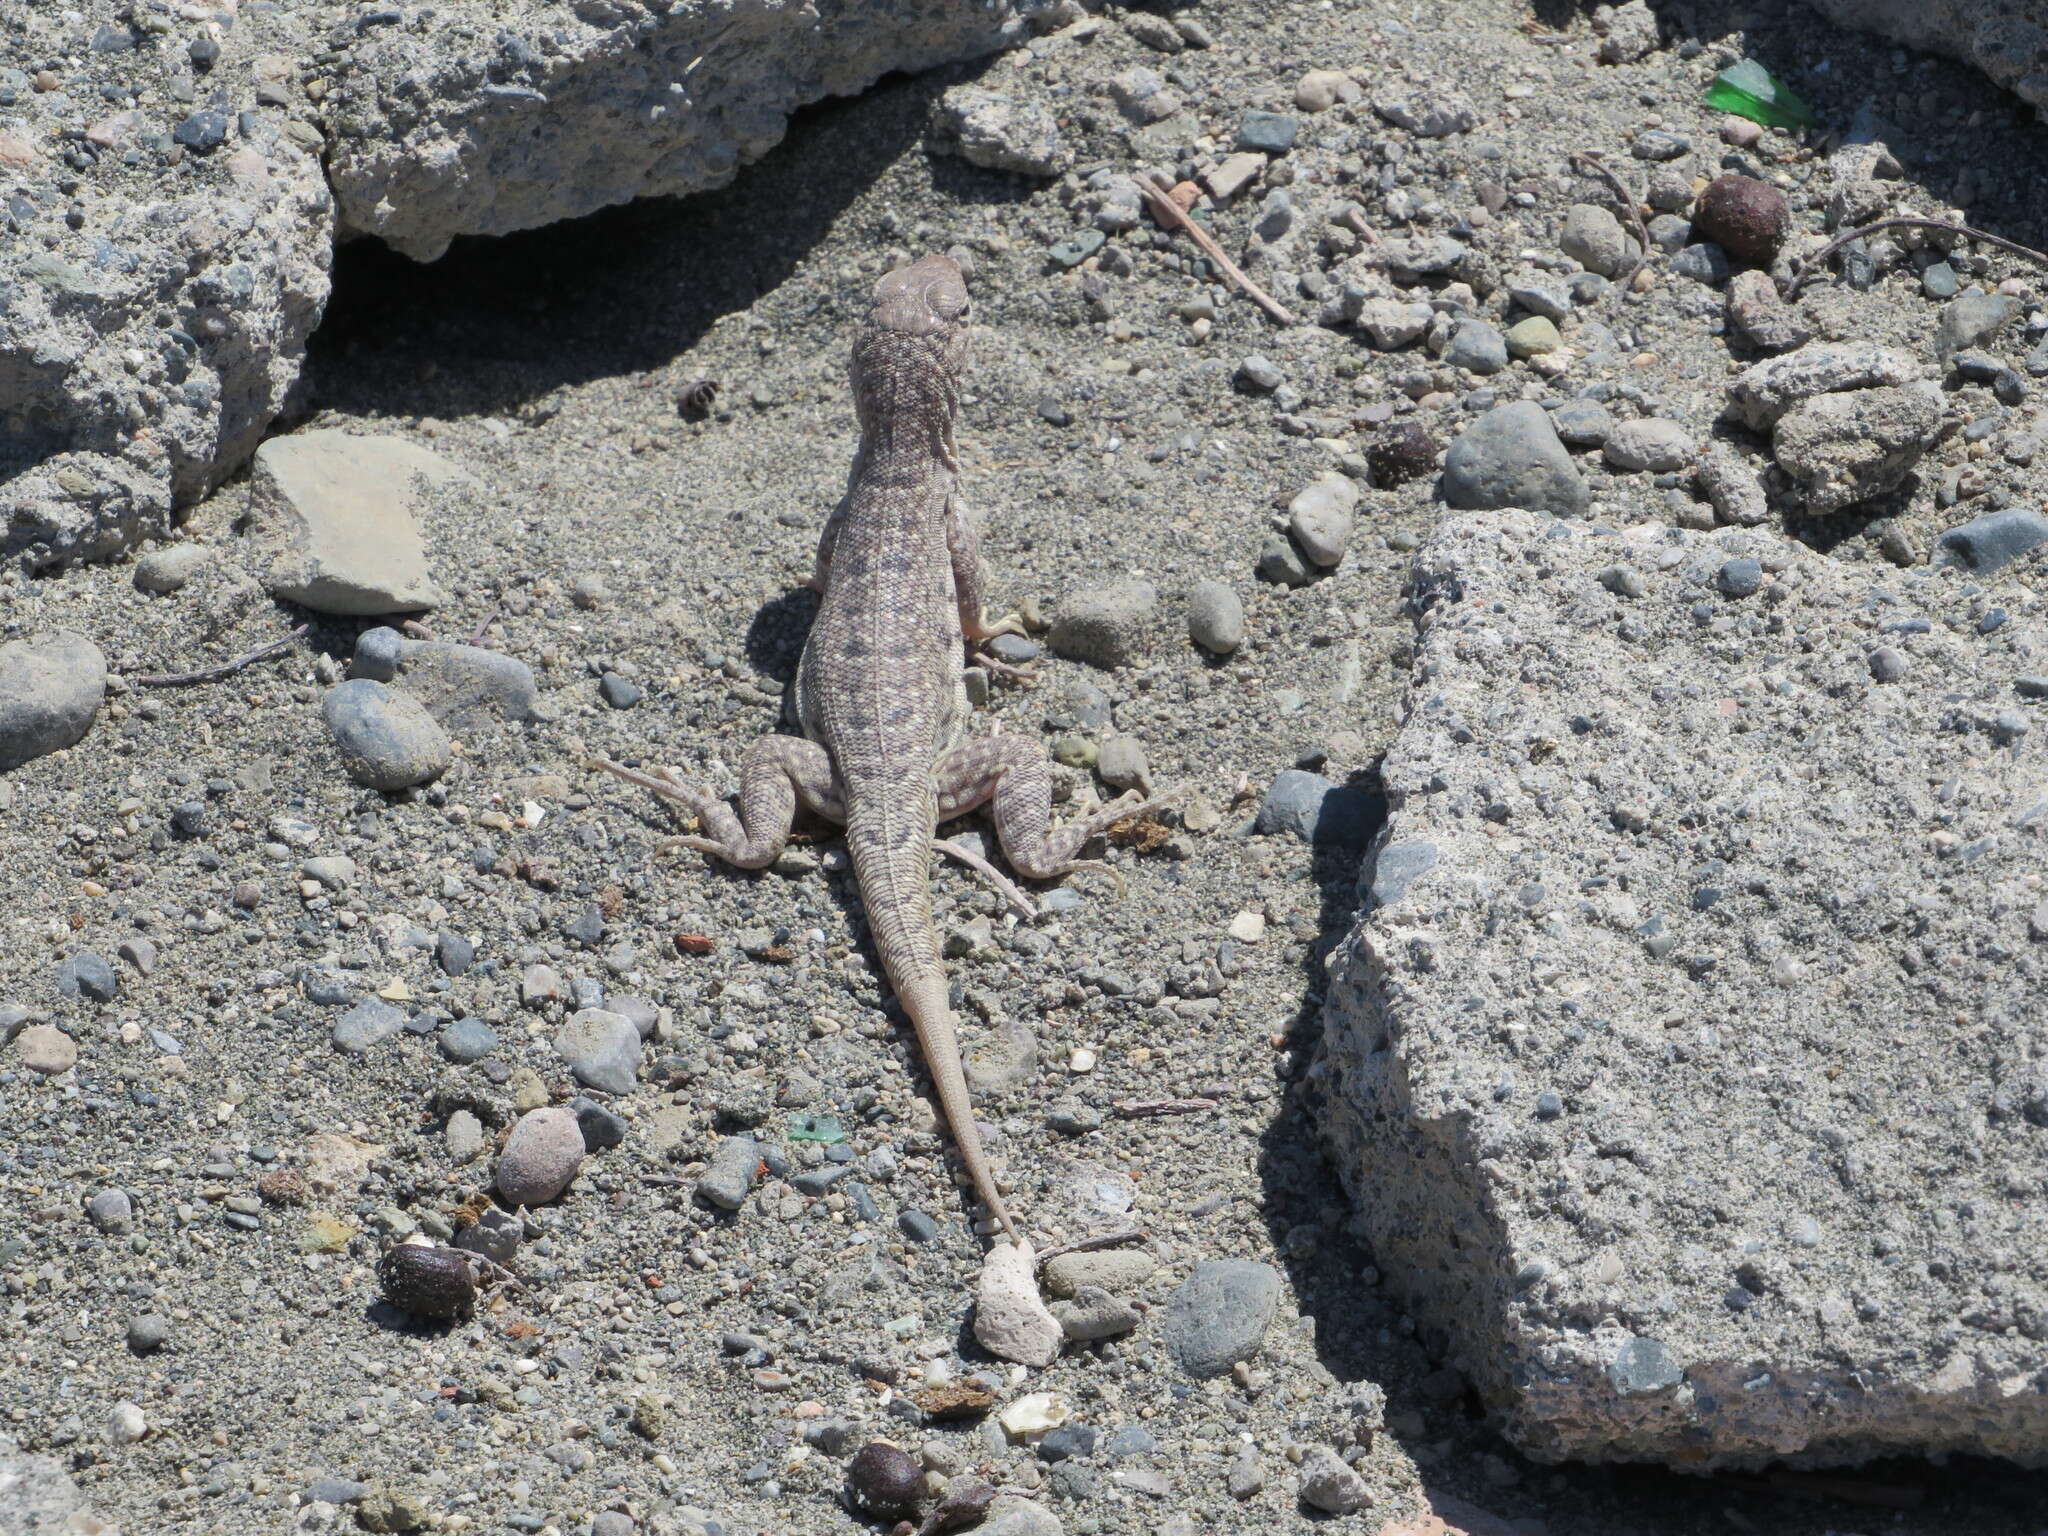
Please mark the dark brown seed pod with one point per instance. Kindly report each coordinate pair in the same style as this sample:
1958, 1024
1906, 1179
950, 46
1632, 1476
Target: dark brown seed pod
427, 1282
697, 399
883, 1479
1400, 454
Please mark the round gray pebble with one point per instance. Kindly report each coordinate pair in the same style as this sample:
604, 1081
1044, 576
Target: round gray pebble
387, 739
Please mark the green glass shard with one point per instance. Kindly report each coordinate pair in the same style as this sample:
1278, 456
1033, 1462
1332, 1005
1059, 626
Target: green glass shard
1749, 90
815, 1128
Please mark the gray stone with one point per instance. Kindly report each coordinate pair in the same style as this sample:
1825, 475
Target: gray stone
333, 520
1328, 1484
1428, 111
1316, 810
541, 1156
728, 1177
386, 739
602, 1130
1219, 1315
51, 686
1268, 133
163, 571
467, 1040
1669, 233
1849, 447
1215, 617
1703, 263
462, 686
148, 1333
1541, 294
1106, 626
1416, 258
1615, 1327
1000, 131
37, 1498
112, 1212
371, 1022
1011, 1515
1581, 423
1320, 518
1761, 316
1391, 324
1649, 443
1972, 320
1594, 238
1282, 563
1511, 457
1762, 393
1993, 541
1476, 347
87, 975
1731, 486
464, 1136
1094, 1314
1394, 870
602, 1049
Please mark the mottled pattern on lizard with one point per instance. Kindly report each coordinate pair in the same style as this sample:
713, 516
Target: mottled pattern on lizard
880, 691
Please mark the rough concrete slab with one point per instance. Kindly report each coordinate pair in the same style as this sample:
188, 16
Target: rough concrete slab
1998, 36
1688, 1064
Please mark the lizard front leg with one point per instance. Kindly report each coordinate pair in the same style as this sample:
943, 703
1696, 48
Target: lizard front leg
777, 770
963, 544
1012, 772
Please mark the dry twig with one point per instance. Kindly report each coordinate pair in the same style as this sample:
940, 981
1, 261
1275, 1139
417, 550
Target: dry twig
1598, 167
1090, 1244
1146, 1109
225, 669
477, 635
1167, 211
1815, 262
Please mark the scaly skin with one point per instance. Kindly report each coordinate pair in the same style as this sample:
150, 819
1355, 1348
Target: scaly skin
880, 690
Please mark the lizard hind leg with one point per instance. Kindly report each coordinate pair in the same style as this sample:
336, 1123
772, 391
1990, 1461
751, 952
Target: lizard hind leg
777, 771
1012, 772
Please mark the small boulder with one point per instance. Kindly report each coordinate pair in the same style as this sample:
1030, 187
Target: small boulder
51, 686
1010, 1321
541, 1156
1106, 626
334, 519
1511, 457
387, 739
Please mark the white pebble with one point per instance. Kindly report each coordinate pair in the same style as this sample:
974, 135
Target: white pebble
126, 1425
1083, 1060
1248, 927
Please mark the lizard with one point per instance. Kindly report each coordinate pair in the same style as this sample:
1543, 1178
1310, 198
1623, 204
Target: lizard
880, 689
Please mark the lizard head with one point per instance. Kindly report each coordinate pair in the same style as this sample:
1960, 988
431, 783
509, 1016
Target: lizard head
911, 356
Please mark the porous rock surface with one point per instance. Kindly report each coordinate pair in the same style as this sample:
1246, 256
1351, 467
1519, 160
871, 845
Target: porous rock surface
1686, 1061
168, 224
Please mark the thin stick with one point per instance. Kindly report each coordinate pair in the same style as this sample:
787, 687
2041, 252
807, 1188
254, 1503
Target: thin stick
1004, 887
1811, 264
477, 636
1599, 167
1090, 1244
225, 669
1167, 211
1145, 1109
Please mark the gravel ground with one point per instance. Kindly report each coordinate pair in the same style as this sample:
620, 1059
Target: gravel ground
204, 1360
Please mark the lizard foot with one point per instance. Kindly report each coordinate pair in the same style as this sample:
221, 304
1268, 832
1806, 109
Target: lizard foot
981, 629
1074, 866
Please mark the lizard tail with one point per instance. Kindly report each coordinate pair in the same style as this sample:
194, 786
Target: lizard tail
893, 864
924, 999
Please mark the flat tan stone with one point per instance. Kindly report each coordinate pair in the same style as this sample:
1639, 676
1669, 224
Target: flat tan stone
334, 520
46, 1049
